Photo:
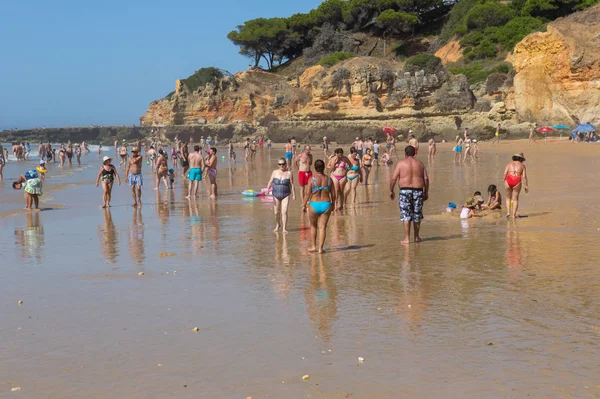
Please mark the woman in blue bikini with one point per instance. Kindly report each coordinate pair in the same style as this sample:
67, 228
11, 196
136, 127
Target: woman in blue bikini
353, 176
321, 194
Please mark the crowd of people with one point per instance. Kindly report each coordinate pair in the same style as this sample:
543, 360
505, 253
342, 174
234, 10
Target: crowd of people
326, 185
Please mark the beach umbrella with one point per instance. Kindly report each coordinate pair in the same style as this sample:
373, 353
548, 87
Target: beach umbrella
560, 127
389, 130
545, 129
585, 128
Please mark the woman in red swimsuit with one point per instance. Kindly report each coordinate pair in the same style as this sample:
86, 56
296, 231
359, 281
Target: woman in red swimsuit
515, 174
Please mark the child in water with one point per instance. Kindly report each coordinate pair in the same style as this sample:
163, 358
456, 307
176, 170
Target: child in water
171, 176
32, 184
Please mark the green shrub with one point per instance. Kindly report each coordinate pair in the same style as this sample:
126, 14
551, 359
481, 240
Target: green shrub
473, 71
460, 30
505, 67
201, 77
335, 58
456, 17
426, 62
491, 13
486, 49
516, 29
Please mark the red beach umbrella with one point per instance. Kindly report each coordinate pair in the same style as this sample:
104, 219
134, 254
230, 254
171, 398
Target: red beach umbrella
545, 129
389, 130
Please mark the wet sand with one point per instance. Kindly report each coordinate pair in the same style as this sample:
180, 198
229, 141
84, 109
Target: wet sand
482, 308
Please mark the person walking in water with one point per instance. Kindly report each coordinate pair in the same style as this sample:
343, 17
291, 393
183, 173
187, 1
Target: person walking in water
107, 175
515, 175
411, 177
289, 153
304, 162
282, 183
211, 171
196, 167
320, 195
134, 176
496, 139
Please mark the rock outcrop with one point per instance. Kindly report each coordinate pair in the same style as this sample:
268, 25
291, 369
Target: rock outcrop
558, 71
361, 88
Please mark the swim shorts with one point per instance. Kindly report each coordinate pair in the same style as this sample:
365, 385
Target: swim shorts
212, 173
410, 201
289, 155
376, 155
195, 174
304, 178
135, 180
34, 186
459, 148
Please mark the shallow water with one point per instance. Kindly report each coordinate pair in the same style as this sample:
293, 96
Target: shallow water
483, 308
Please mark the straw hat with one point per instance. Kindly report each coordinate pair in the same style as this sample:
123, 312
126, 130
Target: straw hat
106, 158
470, 202
520, 155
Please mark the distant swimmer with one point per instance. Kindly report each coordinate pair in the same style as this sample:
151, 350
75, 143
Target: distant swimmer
411, 177
321, 197
367, 163
211, 171
353, 177
414, 143
253, 148
304, 162
196, 168
282, 183
497, 135
515, 175
123, 154
162, 169
62, 154
338, 164
289, 153
432, 148
134, 176
107, 175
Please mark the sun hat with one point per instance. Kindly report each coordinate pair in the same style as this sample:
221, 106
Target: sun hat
42, 162
106, 158
470, 202
520, 155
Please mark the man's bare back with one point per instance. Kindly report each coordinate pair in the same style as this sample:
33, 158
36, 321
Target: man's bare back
410, 173
196, 161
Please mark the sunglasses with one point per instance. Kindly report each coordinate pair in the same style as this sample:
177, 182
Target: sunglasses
281, 164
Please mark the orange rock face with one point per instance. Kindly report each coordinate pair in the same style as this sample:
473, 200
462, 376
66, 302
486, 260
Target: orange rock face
451, 52
558, 71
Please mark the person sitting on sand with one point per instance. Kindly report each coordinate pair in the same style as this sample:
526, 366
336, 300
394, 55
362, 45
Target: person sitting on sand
515, 174
494, 199
385, 158
478, 199
468, 208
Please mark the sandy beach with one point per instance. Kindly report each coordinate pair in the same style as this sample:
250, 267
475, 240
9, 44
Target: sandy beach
483, 308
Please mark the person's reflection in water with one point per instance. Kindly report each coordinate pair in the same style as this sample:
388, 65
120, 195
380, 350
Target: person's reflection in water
163, 213
108, 238
31, 238
135, 238
321, 296
284, 269
197, 228
214, 223
514, 255
412, 291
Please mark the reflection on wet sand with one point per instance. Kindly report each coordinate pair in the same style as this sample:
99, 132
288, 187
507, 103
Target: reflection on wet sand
135, 238
31, 238
108, 238
321, 296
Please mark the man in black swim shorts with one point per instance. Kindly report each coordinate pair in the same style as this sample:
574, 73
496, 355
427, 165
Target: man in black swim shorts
411, 176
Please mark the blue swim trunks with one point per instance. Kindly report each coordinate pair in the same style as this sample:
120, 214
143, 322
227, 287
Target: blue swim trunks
135, 180
289, 155
459, 148
195, 174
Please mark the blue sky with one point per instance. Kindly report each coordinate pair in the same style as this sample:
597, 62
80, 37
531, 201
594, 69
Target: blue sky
76, 63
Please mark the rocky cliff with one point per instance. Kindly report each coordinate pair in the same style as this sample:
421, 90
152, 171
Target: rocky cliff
558, 71
557, 82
